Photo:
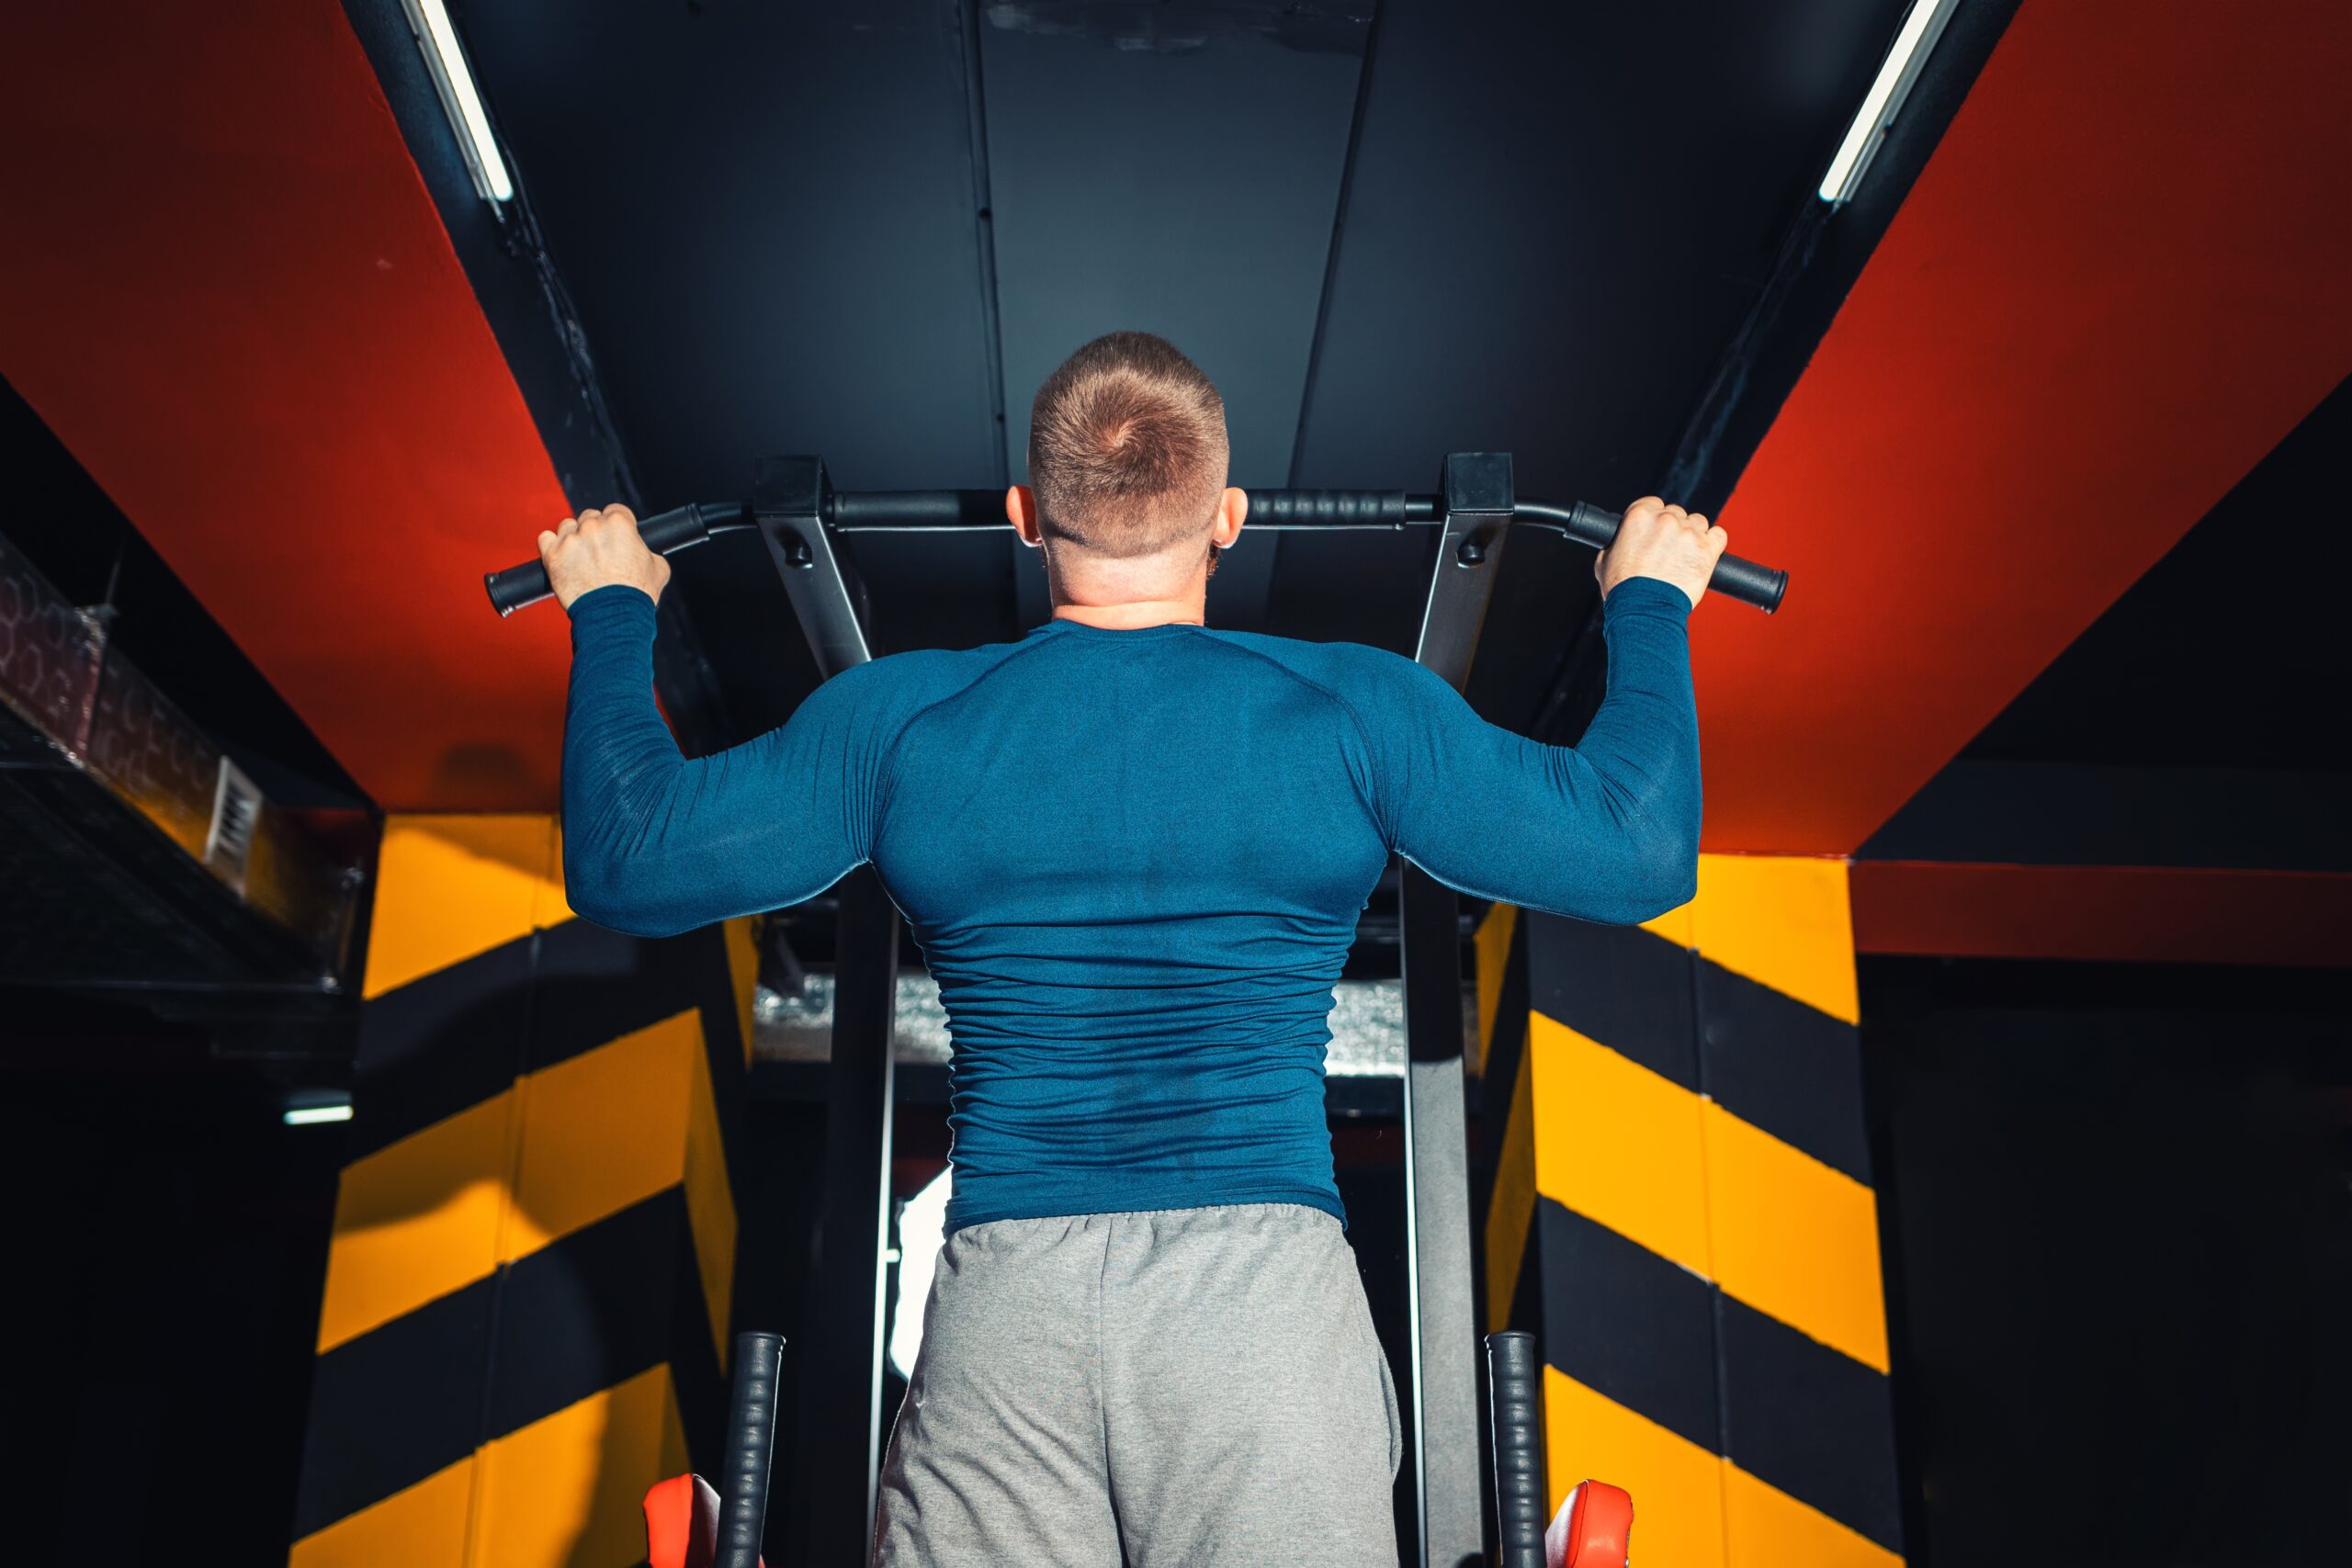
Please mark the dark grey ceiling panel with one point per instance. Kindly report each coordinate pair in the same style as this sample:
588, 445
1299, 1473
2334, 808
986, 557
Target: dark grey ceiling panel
1525, 227
1557, 217
1171, 169
765, 214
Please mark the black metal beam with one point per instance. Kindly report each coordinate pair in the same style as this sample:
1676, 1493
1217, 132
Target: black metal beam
840, 1437
1445, 1386
531, 312
841, 1368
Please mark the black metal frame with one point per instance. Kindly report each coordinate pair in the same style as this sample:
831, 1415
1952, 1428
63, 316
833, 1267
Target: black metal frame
804, 524
841, 1366
1479, 501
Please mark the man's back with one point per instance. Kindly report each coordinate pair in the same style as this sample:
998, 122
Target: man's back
1134, 861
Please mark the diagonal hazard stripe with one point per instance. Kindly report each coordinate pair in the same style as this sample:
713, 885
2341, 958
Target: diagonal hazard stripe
1715, 1374
1692, 1508
435, 1045
1510, 1213
393, 1407
1705, 1233
1774, 1062
1768, 1057
1816, 1424
1620, 1143
1784, 922
1791, 1236
562, 1490
563, 1148
1677, 1484
1621, 985
452, 1039
1722, 1198
1624, 1321
448, 887
1494, 972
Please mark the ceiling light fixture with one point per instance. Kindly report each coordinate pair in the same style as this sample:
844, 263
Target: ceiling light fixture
310, 1107
1920, 29
429, 21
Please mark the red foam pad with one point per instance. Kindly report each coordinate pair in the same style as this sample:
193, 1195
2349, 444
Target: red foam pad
681, 1524
1594, 1528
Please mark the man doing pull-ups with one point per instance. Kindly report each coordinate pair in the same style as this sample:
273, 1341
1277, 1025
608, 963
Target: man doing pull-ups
1133, 849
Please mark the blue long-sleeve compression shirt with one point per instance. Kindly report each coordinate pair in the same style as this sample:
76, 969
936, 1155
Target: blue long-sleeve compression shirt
1133, 861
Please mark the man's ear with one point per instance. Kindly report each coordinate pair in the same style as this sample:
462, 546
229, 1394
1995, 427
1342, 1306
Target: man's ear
1021, 509
1232, 508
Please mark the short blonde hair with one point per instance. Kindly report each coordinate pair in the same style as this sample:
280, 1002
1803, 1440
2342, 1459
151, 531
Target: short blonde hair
1128, 447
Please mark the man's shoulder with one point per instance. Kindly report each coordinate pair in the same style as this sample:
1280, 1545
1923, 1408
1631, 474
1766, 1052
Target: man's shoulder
1354, 670
921, 672
902, 684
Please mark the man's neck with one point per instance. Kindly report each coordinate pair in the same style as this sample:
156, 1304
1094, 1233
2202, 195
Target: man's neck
1135, 614
1126, 595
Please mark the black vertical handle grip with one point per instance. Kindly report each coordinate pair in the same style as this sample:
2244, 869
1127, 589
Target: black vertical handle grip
751, 1439
1735, 578
1515, 1397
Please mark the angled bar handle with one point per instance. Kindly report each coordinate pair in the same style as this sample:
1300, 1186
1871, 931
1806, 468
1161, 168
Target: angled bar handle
1515, 1403
663, 533
751, 1440
1735, 578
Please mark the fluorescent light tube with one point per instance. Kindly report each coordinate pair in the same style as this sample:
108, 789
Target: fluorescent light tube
311, 1115
429, 21
1913, 42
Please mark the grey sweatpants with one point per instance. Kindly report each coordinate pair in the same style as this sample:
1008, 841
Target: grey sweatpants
1193, 1387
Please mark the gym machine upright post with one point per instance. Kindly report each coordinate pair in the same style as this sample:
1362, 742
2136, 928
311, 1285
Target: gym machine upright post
804, 524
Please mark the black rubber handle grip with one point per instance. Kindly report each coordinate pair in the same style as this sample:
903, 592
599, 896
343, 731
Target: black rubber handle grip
751, 1437
663, 532
1735, 578
1515, 1398
1328, 508
918, 509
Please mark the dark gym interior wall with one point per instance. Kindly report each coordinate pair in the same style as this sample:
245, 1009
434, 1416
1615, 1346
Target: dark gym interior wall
2116, 1201
164, 1231
165, 1236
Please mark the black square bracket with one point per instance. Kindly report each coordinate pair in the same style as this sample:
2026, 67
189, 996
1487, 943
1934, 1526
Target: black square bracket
1479, 498
792, 498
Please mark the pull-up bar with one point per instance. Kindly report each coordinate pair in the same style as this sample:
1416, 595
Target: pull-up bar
956, 511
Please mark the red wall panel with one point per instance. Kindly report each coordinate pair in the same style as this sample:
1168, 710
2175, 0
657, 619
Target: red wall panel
224, 286
2121, 279
2124, 913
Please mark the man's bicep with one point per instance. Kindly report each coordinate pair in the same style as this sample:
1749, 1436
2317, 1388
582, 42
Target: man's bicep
1499, 816
758, 826
796, 804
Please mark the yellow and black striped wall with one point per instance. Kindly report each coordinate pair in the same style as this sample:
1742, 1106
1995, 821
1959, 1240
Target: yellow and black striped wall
1682, 1210
528, 1289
